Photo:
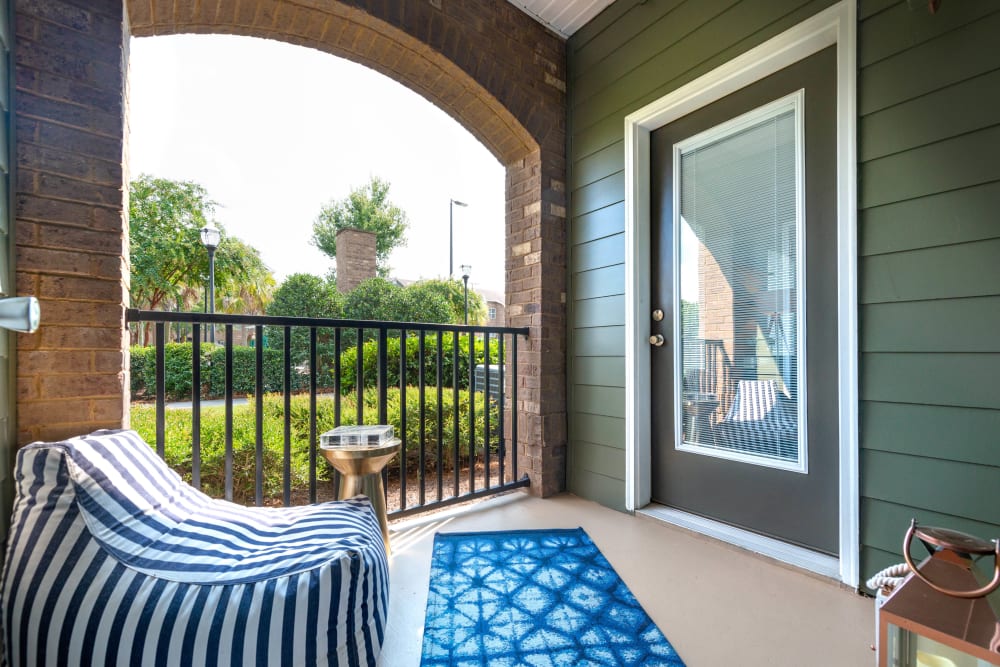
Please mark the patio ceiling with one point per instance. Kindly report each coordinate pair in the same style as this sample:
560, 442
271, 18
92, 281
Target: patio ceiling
563, 16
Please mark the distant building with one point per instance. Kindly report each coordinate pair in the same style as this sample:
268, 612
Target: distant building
496, 311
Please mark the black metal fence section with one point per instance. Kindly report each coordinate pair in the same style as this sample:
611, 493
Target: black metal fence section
471, 459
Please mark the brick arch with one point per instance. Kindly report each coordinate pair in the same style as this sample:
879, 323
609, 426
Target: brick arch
490, 66
370, 40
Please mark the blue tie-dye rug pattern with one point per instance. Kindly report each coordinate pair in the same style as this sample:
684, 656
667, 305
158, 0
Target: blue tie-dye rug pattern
541, 598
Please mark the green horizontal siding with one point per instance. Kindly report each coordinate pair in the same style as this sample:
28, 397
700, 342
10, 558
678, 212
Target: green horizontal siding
929, 275
959, 216
631, 54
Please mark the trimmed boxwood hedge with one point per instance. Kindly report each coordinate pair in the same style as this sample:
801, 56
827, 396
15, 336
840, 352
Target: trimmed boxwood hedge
177, 360
178, 452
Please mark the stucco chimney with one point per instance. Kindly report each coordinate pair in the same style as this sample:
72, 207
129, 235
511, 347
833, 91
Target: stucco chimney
355, 258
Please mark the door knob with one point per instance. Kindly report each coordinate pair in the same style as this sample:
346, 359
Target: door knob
656, 340
657, 315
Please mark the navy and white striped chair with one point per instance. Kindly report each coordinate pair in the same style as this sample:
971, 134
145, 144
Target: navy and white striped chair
113, 560
761, 420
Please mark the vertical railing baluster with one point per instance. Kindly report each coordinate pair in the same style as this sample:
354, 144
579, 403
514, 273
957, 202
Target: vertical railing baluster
286, 470
472, 412
383, 393
421, 386
360, 376
515, 441
440, 415
258, 490
402, 419
336, 376
502, 412
313, 442
161, 384
454, 406
229, 413
196, 408
486, 410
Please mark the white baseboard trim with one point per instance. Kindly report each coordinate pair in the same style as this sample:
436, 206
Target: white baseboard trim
799, 557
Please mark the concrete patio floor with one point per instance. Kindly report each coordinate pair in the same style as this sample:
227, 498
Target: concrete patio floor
718, 605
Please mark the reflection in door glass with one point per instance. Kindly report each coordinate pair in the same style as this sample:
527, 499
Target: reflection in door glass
739, 280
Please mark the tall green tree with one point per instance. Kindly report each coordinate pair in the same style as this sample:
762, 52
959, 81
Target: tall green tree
453, 293
367, 208
303, 295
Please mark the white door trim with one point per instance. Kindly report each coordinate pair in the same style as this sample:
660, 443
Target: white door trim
833, 26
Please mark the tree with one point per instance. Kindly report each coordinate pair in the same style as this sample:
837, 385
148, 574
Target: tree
169, 263
165, 246
303, 295
367, 208
453, 293
379, 299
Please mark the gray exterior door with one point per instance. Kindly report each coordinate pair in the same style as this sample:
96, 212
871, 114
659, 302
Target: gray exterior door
743, 268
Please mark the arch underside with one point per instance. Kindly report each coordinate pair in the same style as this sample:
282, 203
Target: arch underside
357, 36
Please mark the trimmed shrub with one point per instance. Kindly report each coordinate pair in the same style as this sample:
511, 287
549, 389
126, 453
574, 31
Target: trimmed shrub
178, 451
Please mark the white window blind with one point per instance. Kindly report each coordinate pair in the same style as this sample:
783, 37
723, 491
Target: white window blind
739, 281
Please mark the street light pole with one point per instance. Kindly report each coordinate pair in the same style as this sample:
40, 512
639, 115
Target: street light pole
210, 237
466, 269
451, 235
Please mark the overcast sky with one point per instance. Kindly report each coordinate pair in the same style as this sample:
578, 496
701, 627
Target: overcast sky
273, 131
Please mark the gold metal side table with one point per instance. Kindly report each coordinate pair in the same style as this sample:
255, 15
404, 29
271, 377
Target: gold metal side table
360, 469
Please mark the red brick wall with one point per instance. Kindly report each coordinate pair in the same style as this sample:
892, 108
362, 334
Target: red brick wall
490, 66
355, 258
69, 230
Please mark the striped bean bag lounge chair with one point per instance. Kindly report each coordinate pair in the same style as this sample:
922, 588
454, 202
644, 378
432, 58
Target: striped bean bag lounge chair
113, 560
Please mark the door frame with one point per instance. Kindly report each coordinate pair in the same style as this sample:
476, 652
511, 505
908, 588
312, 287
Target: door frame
835, 25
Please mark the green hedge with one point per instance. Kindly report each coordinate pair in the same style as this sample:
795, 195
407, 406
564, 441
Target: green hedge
178, 453
348, 363
177, 359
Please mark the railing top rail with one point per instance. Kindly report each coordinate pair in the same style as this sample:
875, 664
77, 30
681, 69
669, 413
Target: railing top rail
136, 315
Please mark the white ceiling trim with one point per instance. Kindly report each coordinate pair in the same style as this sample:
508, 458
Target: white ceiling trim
563, 16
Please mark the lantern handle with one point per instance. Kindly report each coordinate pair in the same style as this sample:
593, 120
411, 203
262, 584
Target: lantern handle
967, 595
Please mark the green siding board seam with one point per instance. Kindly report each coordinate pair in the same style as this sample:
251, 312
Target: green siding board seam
598, 342
868, 8
944, 272
600, 488
941, 325
971, 159
947, 379
947, 218
599, 371
604, 311
590, 139
598, 224
606, 281
918, 122
902, 27
608, 251
937, 63
695, 52
606, 461
596, 28
932, 431
632, 22
643, 50
594, 167
887, 523
607, 401
946, 487
599, 194
599, 429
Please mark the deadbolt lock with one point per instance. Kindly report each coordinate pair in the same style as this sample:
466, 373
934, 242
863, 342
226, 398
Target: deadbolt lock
656, 340
657, 315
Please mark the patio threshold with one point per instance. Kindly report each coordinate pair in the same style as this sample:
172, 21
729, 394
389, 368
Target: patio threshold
717, 604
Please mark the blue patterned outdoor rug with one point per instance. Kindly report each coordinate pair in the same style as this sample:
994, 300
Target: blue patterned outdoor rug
541, 598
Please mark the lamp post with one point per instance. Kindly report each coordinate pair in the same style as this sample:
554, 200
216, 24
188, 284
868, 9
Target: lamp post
451, 234
466, 269
210, 238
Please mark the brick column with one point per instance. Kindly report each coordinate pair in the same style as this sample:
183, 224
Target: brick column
355, 258
72, 374
536, 298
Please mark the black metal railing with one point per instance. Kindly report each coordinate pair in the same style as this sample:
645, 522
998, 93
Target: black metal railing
450, 453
